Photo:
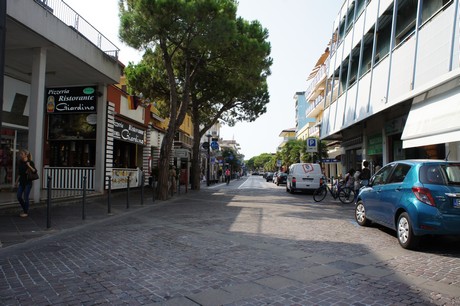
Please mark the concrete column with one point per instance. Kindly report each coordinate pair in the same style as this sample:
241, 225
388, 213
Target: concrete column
385, 158
36, 116
101, 138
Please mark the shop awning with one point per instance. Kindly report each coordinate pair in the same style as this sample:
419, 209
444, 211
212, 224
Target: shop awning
433, 121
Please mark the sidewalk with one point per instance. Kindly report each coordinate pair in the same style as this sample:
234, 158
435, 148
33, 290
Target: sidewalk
67, 213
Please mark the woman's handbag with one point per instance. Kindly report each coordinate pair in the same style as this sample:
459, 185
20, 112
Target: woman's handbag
32, 176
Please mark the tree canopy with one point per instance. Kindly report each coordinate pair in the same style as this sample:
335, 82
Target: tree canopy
181, 33
199, 57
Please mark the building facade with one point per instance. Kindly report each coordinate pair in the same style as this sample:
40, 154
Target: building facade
392, 81
55, 94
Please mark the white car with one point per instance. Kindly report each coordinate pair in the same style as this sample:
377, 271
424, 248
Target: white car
303, 177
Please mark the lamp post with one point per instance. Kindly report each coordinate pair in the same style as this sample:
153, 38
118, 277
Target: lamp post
209, 160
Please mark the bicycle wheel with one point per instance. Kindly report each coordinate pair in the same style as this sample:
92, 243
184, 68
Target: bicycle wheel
319, 194
346, 195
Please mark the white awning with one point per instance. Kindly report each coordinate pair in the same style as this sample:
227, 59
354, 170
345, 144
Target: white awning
433, 121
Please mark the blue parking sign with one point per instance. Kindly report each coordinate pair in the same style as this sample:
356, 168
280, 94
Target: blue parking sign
312, 145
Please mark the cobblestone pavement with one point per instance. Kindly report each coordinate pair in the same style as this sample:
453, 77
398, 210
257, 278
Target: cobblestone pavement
230, 246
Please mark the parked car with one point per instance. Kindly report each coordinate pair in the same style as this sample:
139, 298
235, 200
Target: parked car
269, 176
413, 197
303, 177
281, 178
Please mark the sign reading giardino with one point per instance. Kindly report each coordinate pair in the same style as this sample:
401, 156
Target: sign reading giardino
128, 132
71, 100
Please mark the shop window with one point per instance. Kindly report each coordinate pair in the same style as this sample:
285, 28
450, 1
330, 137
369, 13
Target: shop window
71, 139
72, 153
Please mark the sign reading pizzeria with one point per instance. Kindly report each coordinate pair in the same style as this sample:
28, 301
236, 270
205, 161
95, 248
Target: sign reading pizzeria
128, 132
71, 100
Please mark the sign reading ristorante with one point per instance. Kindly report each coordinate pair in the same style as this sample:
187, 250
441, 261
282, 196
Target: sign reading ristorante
128, 132
71, 100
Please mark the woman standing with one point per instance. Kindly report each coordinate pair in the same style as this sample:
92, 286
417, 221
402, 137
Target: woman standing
24, 185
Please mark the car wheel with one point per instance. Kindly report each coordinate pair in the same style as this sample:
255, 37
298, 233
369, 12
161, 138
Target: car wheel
406, 236
360, 214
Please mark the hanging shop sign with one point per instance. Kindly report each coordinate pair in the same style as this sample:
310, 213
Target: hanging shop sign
128, 132
375, 145
71, 100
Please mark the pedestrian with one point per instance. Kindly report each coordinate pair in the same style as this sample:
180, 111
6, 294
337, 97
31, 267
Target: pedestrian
349, 178
227, 176
365, 174
357, 183
173, 174
22, 182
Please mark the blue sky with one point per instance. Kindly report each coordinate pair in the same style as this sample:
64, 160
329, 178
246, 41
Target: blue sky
299, 31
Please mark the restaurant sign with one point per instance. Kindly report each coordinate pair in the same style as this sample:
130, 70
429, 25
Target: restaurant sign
129, 133
71, 100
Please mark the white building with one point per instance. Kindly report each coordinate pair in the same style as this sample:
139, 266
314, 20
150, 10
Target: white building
393, 81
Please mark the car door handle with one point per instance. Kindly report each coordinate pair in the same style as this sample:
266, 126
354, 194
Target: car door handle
399, 188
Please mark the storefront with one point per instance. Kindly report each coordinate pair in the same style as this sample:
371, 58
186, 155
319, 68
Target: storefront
129, 141
70, 147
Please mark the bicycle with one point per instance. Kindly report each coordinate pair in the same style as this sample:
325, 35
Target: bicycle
346, 195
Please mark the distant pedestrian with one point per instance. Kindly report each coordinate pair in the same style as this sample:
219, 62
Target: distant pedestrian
173, 175
227, 176
22, 182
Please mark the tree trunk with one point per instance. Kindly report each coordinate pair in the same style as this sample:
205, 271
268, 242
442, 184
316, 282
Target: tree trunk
163, 171
196, 157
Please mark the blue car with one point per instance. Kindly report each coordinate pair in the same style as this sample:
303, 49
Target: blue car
413, 197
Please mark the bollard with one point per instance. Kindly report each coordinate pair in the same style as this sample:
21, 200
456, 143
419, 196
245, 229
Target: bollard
142, 188
127, 194
83, 212
109, 193
48, 203
153, 188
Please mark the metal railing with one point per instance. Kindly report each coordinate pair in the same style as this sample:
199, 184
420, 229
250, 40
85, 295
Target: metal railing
69, 177
314, 82
69, 16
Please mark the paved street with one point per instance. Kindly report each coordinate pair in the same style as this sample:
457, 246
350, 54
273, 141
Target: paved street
249, 243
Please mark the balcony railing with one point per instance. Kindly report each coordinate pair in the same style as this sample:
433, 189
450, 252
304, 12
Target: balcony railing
66, 14
313, 131
315, 103
319, 75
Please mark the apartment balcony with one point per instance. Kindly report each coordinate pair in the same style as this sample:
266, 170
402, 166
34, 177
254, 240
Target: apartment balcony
318, 84
315, 108
314, 131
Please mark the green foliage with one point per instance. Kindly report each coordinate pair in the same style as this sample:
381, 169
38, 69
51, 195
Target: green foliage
232, 159
199, 57
177, 37
294, 151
